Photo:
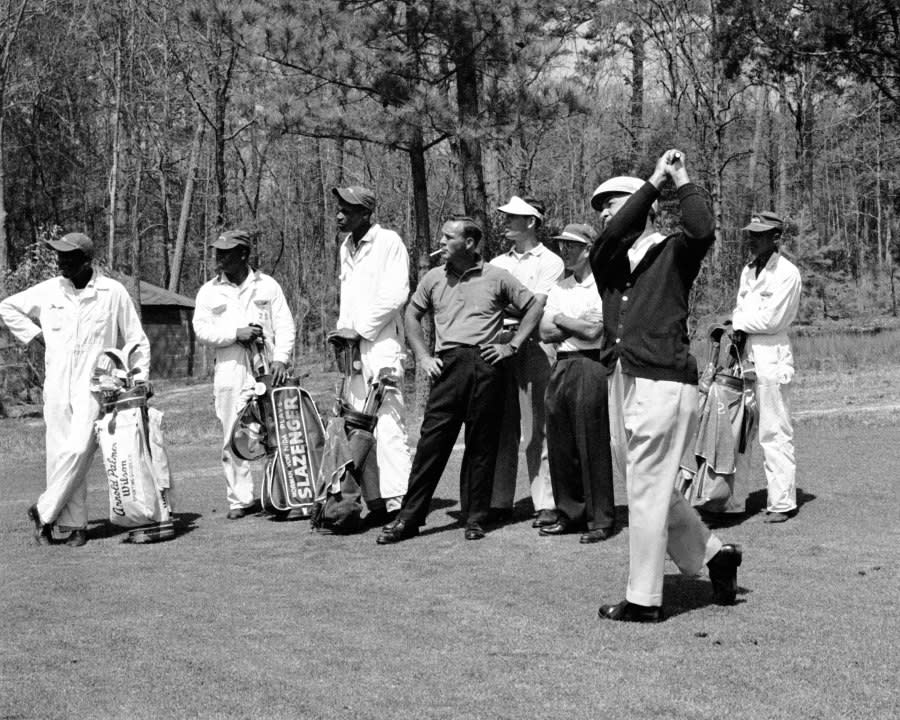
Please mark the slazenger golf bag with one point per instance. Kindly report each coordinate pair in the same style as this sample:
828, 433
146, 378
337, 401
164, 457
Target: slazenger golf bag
134, 454
727, 417
349, 472
282, 424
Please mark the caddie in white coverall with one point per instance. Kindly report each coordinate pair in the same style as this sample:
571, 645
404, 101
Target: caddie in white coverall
767, 303
232, 310
76, 316
374, 288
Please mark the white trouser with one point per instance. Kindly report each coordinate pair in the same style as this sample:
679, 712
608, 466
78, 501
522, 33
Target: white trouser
238, 475
651, 421
776, 437
391, 447
524, 417
71, 444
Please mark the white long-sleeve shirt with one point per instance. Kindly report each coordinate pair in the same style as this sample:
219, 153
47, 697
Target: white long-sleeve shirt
374, 285
77, 326
766, 306
222, 307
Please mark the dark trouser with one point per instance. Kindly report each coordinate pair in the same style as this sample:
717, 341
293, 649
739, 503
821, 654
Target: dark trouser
578, 440
468, 391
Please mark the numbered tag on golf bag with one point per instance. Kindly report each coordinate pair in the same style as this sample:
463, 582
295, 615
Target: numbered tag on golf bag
137, 468
291, 472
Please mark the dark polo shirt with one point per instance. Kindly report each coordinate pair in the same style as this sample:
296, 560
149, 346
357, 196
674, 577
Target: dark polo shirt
645, 311
468, 308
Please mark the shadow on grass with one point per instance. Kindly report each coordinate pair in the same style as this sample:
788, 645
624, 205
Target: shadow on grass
756, 503
685, 594
103, 529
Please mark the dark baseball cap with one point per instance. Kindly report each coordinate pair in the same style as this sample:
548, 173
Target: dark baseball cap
73, 241
764, 222
355, 195
575, 232
232, 239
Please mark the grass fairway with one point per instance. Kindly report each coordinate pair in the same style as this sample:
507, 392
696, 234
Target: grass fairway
263, 619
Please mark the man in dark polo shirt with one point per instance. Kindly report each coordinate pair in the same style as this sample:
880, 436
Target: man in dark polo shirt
467, 297
645, 279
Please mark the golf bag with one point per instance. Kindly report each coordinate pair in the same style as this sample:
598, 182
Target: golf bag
283, 425
134, 455
296, 453
349, 473
727, 418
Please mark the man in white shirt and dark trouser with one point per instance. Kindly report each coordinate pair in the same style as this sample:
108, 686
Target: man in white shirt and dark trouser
234, 309
577, 408
80, 314
538, 269
767, 303
374, 288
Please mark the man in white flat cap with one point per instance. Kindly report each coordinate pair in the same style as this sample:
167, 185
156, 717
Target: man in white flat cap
538, 268
234, 309
767, 303
645, 278
374, 289
76, 316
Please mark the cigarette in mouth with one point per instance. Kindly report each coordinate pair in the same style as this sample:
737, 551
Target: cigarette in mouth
436, 252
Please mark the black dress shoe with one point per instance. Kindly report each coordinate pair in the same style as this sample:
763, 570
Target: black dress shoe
560, 527
629, 612
77, 538
474, 531
395, 532
595, 536
723, 573
43, 534
544, 518
251, 509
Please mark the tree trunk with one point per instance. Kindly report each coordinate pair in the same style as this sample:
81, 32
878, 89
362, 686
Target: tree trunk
636, 116
8, 35
136, 230
468, 143
186, 203
114, 169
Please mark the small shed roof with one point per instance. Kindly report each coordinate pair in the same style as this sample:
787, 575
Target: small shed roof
155, 295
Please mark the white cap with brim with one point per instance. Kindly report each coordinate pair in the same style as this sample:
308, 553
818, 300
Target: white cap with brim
621, 185
71, 242
517, 206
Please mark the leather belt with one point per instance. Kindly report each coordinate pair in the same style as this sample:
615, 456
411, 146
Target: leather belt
593, 354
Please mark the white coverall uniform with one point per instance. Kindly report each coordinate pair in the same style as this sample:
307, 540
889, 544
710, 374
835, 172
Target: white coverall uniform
374, 289
77, 326
766, 306
538, 269
221, 309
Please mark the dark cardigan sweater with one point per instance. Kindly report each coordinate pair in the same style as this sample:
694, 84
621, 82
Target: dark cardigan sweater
645, 312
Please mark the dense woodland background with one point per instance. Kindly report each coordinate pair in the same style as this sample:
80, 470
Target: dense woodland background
153, 124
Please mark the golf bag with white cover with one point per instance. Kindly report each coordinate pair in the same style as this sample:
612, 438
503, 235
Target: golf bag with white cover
134, 454
710, 478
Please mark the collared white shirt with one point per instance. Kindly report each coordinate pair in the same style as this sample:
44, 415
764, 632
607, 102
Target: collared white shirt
77, 325
575, 299
767, 304
538, 269
640, 247
222, 307
374, 284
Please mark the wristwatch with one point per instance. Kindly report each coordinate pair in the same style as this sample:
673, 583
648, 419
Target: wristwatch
514, 347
